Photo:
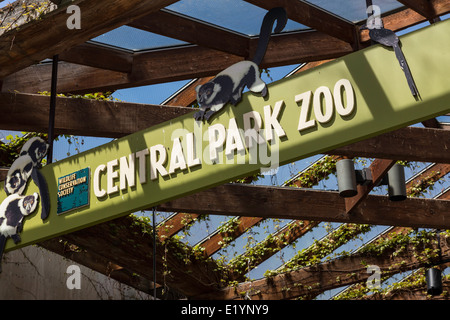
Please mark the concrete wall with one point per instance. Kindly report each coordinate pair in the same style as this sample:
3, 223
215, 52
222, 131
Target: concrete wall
35, 273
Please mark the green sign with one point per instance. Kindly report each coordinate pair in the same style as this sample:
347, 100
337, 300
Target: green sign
350, 99
73, 191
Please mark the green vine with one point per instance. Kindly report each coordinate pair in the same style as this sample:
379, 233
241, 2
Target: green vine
322, 248
10, 151
317, 172
18, 13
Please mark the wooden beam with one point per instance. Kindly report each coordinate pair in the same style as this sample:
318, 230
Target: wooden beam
98, 263
39, 39
407, 18
173, 64
405, 141
175, 224
298, 204
269, 246
400, 230
220, 239
177, 26
378, 168
415, 290
300, 47
423, 7
81, 116
98, 56
313, 17
427, 177
127, 243
27, 112
309, 281
188, 96
297, 47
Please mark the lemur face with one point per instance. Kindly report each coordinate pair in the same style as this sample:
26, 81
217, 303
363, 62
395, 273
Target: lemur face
206, 93
28, 204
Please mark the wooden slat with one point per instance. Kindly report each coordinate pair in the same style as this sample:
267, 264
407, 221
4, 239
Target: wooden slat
405, 230
433, 173
313, 17
188, 96
175, 224
95, 55
34, 42
218, 239
81, 116
379, 168
124, 243
97, 263
423, 7
390, 145
26, 112
270, 246
173, 64
298, 204
408, 18
309, 281
84, 79
183, 28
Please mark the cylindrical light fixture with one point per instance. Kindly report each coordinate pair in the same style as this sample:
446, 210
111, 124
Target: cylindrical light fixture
346, 176
396, 183
434, 281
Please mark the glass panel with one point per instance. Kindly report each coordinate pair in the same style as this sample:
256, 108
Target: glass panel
135, 39
235, 15
354, 10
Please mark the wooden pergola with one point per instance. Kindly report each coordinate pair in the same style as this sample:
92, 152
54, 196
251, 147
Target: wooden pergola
182, 271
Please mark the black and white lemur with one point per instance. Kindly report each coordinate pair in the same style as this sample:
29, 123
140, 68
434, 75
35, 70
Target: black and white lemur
26, 166
16, 206
12, 212
228, 85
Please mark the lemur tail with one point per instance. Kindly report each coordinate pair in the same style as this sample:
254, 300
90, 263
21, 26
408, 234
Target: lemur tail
2, 248
276, 14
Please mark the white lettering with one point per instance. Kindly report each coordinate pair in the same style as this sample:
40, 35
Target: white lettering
141, 155
234, 140
192, 160
349, 97
271, 121
324, 103
217, 134
96, 183
157, 163
252, 132
328, 103
127, 172
111, 174
303, 123
177, 160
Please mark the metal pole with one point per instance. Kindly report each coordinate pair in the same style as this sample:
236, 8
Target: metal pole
154, 253
51, 121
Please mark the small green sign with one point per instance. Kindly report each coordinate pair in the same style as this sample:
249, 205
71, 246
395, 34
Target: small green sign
73, 191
